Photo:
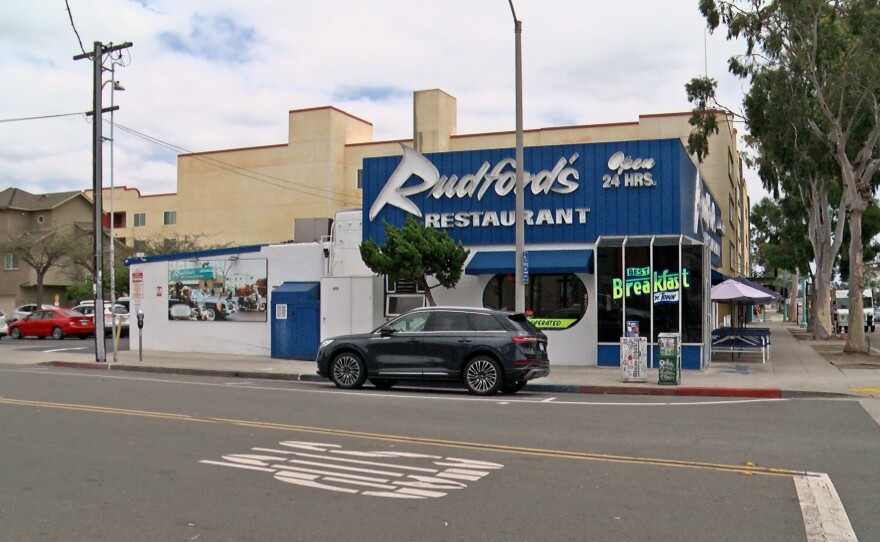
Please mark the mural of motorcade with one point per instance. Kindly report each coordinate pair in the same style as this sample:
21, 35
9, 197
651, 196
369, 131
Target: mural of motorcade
214, 290
194, 304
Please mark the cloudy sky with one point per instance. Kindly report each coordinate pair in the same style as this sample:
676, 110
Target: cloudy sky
216, 74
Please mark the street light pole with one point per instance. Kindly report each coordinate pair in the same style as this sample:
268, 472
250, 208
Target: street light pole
519, 287
114, 86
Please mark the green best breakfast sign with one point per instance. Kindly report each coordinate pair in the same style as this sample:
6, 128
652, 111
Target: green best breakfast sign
664, 285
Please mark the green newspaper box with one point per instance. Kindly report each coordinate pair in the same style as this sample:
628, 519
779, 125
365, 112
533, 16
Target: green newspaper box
669, 366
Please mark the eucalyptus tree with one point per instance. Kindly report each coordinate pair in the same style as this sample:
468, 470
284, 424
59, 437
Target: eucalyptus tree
793, 163
835, 46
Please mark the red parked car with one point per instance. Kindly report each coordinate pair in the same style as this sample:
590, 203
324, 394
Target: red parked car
53, 322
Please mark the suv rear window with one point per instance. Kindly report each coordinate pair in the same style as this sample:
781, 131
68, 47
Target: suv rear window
485, 322
521, 323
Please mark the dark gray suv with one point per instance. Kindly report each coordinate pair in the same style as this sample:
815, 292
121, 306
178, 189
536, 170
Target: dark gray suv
487, 350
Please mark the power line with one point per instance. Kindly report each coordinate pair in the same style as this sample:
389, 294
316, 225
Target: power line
70, 13
20, 119
261, 177
278, 182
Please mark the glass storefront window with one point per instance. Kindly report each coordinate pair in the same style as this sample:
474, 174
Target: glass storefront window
609, 311
692, 297
666, 306
637, 288
552, 301
633, 286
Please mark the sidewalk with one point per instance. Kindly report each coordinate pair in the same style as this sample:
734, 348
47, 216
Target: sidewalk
794, 370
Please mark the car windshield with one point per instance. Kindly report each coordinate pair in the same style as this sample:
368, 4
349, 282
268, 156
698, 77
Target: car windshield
408, 322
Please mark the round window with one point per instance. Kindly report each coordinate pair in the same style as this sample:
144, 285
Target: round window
552, 301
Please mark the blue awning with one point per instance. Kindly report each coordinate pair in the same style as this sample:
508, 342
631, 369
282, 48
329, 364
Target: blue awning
718, 277
540, 261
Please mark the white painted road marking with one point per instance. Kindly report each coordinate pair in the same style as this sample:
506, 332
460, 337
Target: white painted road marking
825, 519
329, 472
823, 513
64, 349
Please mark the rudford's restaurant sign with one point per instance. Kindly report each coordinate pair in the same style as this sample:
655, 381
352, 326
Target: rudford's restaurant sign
573, 193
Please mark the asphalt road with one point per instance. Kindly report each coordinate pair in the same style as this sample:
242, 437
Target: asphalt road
86, 456
70, 344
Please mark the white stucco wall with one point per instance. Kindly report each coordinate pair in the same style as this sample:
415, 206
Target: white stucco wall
294, 262
305, 262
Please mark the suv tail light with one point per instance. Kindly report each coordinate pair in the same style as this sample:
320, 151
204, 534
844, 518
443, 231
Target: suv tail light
525, 340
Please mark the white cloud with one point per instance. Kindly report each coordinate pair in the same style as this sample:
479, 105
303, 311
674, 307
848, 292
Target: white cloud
216, 74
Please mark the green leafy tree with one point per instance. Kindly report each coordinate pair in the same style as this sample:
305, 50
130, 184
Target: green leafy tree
415, 252
82, 256
83, 290
870, 230
833, 46
792, 162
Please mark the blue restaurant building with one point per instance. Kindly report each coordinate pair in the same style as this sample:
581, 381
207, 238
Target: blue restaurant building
615, 232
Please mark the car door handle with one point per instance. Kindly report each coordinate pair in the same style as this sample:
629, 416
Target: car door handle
465, 341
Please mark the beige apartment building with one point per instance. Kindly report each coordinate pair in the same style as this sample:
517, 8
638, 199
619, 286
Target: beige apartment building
36, 215
254, 195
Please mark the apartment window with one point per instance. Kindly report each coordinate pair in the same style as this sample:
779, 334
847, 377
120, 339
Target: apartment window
118, 220
140, 219
10, 262
139, 245
170, 218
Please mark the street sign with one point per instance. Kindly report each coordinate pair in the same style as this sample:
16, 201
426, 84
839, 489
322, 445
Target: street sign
137, 284
525, 267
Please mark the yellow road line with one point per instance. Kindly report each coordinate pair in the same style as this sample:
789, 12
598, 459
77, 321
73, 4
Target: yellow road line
866, 391
559, 454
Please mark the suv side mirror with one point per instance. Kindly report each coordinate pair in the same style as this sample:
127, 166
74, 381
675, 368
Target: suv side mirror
387, 331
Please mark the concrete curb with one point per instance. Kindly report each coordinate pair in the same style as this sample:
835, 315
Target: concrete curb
229, 373
645, 389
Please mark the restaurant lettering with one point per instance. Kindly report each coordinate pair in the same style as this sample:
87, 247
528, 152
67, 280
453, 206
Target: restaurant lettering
501, 178
484, 219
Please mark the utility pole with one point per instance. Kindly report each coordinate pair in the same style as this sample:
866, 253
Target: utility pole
97, 57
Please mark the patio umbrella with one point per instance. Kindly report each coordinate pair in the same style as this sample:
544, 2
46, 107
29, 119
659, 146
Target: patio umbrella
736, 293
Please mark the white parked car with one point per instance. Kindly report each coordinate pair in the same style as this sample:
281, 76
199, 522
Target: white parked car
23, 311
4, 327
119, 312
